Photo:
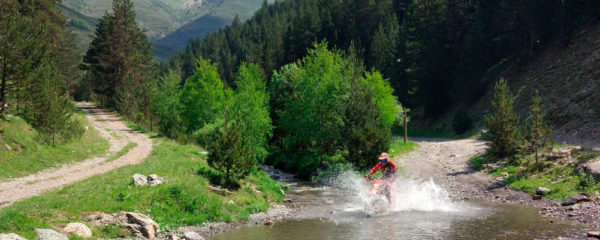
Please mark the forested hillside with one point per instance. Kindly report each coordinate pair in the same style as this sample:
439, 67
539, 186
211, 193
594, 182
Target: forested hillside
438, 54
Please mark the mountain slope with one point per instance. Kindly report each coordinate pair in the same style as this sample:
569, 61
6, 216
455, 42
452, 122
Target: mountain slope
568, 79
161, 18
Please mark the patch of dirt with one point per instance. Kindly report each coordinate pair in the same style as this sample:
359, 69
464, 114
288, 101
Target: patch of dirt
33, 185
446, 161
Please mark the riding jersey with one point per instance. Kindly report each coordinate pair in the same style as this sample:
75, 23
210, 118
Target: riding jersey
388, 170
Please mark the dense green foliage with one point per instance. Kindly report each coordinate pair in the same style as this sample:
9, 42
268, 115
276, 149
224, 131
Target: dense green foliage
435, 52
326, 108
184, 200
38, 68
502, 123
119, 63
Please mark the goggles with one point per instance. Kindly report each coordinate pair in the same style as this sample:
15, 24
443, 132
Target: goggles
383, 160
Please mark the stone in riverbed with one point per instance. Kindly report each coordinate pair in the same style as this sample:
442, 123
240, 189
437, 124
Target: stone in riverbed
575, 199
11, 236
78, 229
594, 234
49, 234
192, 236
269, 222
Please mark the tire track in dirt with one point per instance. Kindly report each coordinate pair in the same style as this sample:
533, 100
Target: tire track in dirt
111, 128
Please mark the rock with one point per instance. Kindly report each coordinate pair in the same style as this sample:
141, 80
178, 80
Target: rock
154, 180
192, 236
536, 197
139, 224
575, 199
329, 202
269, 222
173, 236
287, 200
593, 169
11, 236
78, 229
594, 234
140, 180
542, 191
49, 234
99, 218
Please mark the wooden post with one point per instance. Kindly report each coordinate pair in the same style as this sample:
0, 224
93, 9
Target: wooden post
405, 127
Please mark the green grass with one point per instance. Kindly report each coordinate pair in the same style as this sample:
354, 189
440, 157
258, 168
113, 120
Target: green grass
562, 180
21, 152
399, 148
476, 162
183, 200
123, 151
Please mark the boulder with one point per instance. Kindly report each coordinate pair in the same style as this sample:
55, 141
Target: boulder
192, 236
536, 197
11, 236
594, 234
575, 199
155, 180
78, 229
140, 180
593, 169
49, 234
139, 224
287, 200
99, 218
542, 191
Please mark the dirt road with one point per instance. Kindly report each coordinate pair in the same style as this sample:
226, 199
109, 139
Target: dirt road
446, 161
111, 128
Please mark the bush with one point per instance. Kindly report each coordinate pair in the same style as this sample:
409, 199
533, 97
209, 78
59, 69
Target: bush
502, 123
476, 162
78, 23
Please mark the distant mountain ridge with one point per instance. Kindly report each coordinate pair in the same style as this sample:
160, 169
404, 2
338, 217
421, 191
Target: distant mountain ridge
169, 24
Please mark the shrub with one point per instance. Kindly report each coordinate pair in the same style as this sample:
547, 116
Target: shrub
502, 123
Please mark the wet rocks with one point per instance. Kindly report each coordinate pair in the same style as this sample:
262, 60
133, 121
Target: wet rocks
78, 229
192, 236
11, 236
152, 180
575, 199
49, 234
269, 222
542, 191
139, 224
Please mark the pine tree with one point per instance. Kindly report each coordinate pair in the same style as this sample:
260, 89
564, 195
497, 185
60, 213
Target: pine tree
120, 62
502, 123
537, 128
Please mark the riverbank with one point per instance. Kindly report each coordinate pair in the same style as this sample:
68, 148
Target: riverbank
446, 162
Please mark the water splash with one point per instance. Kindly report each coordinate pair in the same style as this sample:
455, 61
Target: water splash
407, 194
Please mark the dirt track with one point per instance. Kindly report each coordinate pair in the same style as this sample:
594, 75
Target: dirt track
111, 128
446, 161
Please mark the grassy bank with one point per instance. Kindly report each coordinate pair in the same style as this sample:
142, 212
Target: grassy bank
564, 179
183, 200
21, 152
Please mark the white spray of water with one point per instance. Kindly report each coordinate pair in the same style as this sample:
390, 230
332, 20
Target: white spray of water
407, 194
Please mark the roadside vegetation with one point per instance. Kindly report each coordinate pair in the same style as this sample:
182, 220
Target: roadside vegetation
22, 152
183, 200
525, 157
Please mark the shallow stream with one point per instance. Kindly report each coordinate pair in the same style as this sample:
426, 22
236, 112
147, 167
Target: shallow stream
419, 210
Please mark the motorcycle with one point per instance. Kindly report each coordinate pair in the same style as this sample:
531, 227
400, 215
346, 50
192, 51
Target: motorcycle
377, 202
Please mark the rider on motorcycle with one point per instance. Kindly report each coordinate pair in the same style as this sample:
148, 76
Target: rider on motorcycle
388, 169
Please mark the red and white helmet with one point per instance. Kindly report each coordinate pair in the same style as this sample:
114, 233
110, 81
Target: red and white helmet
384, 156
